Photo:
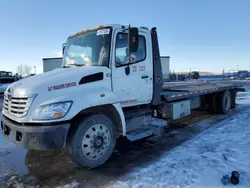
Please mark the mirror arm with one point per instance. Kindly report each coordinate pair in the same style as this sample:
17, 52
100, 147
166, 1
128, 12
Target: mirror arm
63, 48
127, 70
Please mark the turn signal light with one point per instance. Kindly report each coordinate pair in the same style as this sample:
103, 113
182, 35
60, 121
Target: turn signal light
58, 114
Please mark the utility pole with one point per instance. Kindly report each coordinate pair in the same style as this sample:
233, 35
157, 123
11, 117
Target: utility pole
35, 69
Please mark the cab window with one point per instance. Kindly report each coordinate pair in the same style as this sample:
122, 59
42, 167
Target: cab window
122, 53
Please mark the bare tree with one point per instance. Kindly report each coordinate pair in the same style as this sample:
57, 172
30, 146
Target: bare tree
24, 70
20, 70
27, 69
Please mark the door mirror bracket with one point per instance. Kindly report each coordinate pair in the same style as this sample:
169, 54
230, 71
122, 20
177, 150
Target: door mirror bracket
127, 70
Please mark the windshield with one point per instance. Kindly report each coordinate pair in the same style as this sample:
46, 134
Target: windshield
88, 49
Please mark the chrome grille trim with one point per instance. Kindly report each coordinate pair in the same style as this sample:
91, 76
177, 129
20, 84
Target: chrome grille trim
16, 106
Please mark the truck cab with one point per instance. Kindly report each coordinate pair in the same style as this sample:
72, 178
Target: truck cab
110, 81
104, 71
108, 47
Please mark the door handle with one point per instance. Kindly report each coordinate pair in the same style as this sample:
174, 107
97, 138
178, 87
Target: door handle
144, 76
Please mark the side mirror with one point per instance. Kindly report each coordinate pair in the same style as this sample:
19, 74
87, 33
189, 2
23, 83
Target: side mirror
63, 48
133, 37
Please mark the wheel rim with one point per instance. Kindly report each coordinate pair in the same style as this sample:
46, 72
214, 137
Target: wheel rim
96, 141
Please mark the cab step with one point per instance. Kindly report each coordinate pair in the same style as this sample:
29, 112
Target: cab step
139, 134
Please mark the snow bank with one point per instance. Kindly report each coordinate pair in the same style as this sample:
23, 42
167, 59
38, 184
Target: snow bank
243, 98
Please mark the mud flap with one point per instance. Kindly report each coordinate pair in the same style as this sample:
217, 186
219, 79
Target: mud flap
233, 97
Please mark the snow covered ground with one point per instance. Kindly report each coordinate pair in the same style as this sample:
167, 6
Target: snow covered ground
203, 160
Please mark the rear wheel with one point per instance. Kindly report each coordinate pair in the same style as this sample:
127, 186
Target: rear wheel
224, 102
212, 103
93, 142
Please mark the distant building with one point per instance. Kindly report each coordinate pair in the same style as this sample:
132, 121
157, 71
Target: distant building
51, 63
165, 67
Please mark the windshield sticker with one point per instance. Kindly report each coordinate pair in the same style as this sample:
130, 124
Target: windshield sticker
61, 86
103, 32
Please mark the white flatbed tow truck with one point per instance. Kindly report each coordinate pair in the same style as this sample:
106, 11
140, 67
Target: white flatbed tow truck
110, 80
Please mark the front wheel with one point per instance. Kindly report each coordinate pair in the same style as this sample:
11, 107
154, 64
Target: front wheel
93, 142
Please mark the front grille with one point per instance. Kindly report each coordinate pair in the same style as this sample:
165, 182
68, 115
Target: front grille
16, 106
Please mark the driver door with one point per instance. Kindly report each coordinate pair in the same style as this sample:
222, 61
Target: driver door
134, 88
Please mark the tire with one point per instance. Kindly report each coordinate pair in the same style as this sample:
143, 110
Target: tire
212, 103
224, 102
93, 142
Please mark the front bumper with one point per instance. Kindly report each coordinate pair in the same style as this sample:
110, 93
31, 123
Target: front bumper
35, 137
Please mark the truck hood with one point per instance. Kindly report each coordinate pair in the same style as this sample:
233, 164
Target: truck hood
61, 77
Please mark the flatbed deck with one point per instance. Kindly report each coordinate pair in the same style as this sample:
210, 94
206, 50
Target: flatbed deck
181, 90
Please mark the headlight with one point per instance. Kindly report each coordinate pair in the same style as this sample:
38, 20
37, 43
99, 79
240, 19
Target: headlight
52, 111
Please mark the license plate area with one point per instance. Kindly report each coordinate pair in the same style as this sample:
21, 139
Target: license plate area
7, 131
11, 134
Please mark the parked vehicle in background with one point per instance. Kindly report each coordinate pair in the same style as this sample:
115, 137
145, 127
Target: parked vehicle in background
193, 75
5, 74
243, 74
111, 80
3, 87
6, 78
